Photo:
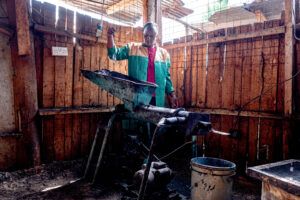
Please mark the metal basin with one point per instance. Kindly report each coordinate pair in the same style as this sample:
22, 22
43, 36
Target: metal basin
131, 91
284, 174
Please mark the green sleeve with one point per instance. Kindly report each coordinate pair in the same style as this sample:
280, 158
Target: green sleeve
169, 85
116, 53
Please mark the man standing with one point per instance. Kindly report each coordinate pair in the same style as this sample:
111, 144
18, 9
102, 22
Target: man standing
146, 62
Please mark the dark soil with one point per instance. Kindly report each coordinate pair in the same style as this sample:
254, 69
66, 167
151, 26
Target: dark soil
61, 180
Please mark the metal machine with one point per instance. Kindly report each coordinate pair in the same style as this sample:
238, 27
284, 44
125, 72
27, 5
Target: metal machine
136, 96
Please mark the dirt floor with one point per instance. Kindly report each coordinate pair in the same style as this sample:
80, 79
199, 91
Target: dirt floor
61, 180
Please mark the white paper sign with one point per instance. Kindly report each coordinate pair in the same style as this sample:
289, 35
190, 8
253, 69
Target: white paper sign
59, 51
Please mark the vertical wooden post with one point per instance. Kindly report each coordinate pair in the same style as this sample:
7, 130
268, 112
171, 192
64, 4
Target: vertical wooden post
158, 20
288, 73
289, 57
22, 26
145, 11
25, 94
152, 12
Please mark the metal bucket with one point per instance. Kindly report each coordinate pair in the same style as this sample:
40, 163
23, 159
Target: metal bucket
211, 178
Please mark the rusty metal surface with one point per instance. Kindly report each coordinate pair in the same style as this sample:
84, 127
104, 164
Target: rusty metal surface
131, 91
284, 174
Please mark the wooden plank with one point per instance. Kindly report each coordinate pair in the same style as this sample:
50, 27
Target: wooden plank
60, 90
69, 86
48, 85
180, 76
243, 143
194, 75
247, 67
297, 78
68, 33
111, 65
86, 83
60, 63
213, 77
289, 57
94, 89
266, 141
69, 62
48, 60
188, 78
257, 71
258, 33
270, 51
227, 80
59, 137
237, 113
201, 77
85, 132
227, 149
8, 153
173, 69
76, 136
253, 131
103, 65
73, 110
25, 99
213, 140
145, 11
22, 24
238, 69
8, 116
286, 139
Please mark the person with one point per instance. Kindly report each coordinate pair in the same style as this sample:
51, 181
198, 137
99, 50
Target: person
146, 62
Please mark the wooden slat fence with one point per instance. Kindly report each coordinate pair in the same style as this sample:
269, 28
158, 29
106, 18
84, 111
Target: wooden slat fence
70, 136
242, 75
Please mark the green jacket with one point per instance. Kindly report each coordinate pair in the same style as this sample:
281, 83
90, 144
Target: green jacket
137, 56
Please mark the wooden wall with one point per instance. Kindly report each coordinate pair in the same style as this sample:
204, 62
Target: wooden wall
241, 83
61, 85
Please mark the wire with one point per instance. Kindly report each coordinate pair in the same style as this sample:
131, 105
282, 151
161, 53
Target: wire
265, 92
175, 150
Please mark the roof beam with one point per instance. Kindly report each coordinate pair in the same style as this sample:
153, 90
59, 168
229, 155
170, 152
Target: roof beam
121, 5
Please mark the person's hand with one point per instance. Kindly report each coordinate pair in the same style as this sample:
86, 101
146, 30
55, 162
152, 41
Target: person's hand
173, 102
111, 31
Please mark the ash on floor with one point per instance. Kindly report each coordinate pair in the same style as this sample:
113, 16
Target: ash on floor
61, 180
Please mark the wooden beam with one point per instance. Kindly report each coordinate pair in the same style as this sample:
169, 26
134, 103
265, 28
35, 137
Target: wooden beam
236, 113
22, 25
289, 57
77, 110
151, 11
145, 11
158, 20
121, 5
264, 32
10, 134
25, 85
50, 30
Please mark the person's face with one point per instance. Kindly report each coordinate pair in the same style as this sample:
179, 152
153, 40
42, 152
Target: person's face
149, 37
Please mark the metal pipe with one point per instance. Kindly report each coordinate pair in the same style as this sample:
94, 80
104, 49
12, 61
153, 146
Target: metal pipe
107, 129
92, 151
149, 161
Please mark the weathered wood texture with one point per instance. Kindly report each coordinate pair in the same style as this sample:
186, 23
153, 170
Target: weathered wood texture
16, 151
243, 75
70, 135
